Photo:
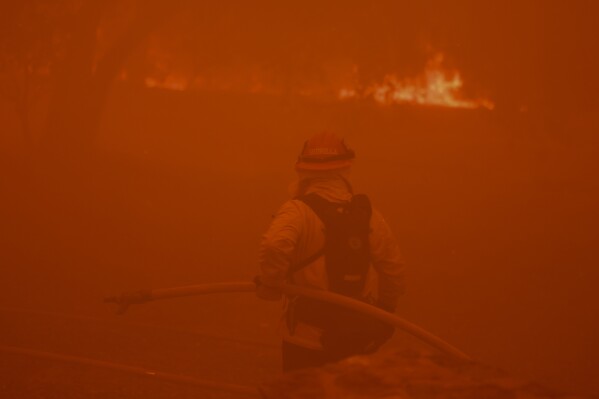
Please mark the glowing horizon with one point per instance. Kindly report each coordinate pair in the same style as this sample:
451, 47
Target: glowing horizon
434, 86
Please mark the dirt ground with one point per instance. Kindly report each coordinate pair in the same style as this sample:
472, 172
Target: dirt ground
153, 347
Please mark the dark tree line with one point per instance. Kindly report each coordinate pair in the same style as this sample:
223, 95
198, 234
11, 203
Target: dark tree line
55, 45
67, 53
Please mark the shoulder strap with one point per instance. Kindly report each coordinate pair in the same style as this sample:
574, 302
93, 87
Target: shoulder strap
319, 205
361, 203
299, 266
323, 208
316, 203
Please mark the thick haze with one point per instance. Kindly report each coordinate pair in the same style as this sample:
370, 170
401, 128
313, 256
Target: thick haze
530, 53
496, 211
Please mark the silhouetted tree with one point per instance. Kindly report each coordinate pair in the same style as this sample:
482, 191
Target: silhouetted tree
84, 74
30, 38
64, 45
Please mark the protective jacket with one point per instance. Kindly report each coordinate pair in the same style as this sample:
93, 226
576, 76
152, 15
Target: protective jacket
296, 233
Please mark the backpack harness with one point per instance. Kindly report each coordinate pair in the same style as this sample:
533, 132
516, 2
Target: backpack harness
347, 257
346, 249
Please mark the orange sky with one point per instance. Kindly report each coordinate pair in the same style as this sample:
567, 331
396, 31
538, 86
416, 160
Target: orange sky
495, 210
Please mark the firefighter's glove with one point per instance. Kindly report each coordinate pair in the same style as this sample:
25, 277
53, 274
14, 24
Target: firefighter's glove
265, 292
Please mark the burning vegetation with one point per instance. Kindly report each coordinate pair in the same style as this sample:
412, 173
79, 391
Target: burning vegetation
436, 85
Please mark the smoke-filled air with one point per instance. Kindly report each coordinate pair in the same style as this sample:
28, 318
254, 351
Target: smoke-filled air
299, 199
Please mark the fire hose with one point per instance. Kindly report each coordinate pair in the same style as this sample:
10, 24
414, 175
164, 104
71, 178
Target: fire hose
134, 370
139, 297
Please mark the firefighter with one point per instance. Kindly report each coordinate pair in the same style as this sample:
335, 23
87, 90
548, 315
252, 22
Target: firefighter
327, 238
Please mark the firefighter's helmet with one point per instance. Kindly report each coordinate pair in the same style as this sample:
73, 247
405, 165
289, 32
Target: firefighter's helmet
324, 151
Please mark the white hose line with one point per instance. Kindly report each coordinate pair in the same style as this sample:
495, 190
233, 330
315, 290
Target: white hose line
373, 311
320, 295
135, 370
120, 323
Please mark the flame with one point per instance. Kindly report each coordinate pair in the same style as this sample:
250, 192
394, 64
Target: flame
170, 82
435, 86
347, 93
